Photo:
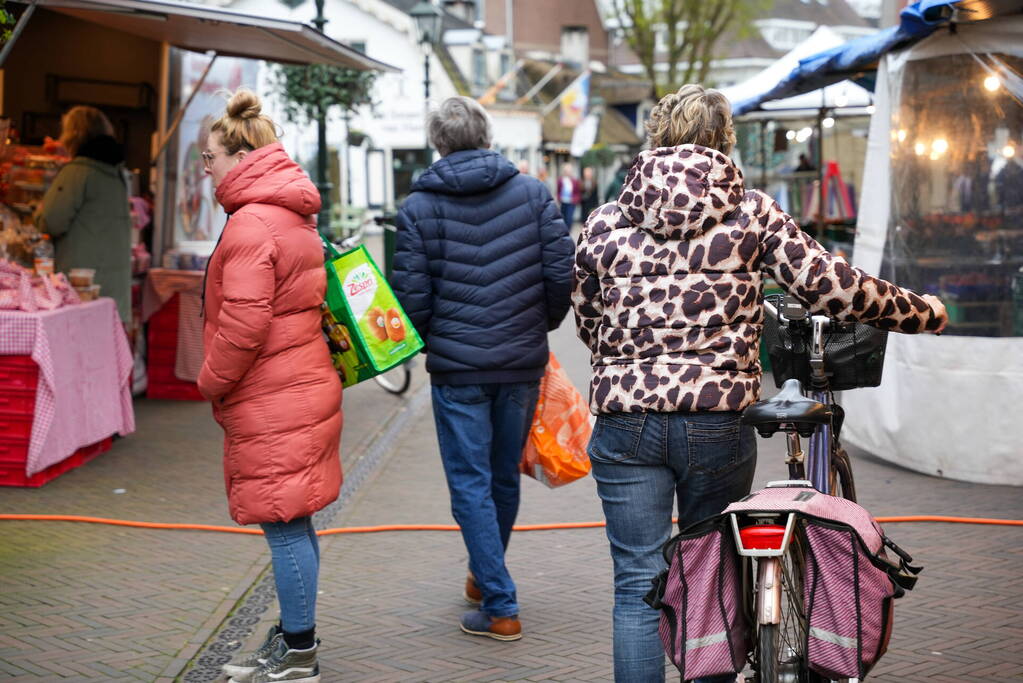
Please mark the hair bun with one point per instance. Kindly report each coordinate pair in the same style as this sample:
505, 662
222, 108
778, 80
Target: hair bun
244, 104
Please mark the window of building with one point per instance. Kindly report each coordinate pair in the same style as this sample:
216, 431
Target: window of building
575, 44
479, 68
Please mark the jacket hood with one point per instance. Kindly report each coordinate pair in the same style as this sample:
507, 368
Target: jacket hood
102, 148
679, 192
269, 176
468, 172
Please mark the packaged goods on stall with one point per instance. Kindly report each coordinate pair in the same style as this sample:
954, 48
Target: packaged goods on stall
43, 256
22, 290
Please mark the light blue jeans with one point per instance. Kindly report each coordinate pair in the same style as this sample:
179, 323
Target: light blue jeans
481, 429
643, 463
295, 556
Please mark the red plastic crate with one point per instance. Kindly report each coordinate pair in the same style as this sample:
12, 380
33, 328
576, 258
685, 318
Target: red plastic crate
15, 427
14, 451
14, 474
162, 353
18, 372
182, 391
17, 401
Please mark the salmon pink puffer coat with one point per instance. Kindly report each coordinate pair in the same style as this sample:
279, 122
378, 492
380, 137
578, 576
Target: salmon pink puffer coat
267, 369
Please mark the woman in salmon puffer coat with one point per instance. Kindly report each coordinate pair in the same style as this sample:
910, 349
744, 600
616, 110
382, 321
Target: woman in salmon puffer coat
268, 372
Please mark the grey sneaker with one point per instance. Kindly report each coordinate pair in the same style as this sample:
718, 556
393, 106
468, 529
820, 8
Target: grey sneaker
293, 666
240, 669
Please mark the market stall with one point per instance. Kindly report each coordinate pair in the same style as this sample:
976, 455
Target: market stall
806, 150
942, 212
65, 388
115, 56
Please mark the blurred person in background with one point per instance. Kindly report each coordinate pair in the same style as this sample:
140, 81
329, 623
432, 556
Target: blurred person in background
86, 208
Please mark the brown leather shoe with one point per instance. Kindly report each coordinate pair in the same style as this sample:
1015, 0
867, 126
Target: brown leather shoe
478, 623
472, 595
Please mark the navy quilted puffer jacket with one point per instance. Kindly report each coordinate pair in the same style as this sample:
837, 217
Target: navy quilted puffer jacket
483, 268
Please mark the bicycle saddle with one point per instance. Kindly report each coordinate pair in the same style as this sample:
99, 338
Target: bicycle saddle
788, 407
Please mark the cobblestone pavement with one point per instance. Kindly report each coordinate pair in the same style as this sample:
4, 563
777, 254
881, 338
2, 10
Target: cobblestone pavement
96, 603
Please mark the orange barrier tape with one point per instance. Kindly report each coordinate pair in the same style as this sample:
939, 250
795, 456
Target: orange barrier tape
431, 527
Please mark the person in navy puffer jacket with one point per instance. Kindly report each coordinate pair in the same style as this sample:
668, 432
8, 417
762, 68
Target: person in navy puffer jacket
483, 268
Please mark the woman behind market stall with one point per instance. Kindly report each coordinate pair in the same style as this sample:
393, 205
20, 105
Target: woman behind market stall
86, 208
268, 373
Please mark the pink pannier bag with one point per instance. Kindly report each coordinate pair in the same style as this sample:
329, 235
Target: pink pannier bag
850, 582
848, 590
704, 628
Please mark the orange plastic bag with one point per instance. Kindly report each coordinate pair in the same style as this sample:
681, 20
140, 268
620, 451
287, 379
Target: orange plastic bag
555, 451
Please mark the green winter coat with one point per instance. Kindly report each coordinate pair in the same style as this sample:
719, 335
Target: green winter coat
86, 211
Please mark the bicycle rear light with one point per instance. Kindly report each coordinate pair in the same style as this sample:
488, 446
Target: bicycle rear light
763, 537
763, 540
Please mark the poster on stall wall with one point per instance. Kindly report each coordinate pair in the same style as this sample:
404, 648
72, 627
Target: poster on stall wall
197, 215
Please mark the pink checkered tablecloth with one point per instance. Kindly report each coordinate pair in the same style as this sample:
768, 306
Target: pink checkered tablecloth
85, 364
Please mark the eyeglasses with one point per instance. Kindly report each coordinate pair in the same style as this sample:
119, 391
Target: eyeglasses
208, 157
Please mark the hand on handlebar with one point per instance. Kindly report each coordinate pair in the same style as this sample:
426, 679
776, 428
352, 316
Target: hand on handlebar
939, 311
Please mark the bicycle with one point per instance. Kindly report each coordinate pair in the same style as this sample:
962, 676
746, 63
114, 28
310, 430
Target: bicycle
398, 379
774, 603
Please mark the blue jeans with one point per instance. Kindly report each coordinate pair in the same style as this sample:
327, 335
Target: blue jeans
295, 556
481, 429
643, 463
568, 213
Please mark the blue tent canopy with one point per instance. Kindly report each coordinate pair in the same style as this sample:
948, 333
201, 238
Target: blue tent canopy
857, 59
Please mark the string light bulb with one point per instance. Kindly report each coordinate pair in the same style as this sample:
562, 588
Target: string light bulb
992, 83
939, 146
1008, 151
828, 122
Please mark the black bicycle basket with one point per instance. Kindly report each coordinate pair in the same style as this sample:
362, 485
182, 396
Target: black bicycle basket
853, 353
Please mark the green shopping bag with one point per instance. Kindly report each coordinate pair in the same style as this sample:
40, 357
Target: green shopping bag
366, 329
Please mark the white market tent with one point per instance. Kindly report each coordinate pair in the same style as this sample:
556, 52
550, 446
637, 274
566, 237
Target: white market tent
842, 95
949, 405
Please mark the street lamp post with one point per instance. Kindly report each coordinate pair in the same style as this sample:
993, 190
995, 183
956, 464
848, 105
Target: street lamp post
428, 20
322, 183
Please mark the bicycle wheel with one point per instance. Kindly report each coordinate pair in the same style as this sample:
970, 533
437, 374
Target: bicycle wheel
781, 647
396, 380
841, 475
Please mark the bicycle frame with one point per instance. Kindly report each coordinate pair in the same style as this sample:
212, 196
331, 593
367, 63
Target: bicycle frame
776, 529
817, 459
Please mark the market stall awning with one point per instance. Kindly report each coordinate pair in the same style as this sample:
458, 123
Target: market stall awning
201, 28
857, 59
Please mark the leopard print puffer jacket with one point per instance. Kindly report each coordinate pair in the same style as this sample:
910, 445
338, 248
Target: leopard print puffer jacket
668, 291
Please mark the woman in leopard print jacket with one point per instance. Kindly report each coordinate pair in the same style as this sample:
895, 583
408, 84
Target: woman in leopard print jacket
668, 297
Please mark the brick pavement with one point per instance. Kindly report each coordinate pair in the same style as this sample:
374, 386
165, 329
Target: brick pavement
390, 602
100, 603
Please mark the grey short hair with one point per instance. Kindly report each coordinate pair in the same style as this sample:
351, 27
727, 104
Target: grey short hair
459, 123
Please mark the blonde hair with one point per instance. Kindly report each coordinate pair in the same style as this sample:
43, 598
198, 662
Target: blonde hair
80, 125
692, 116
243, 126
